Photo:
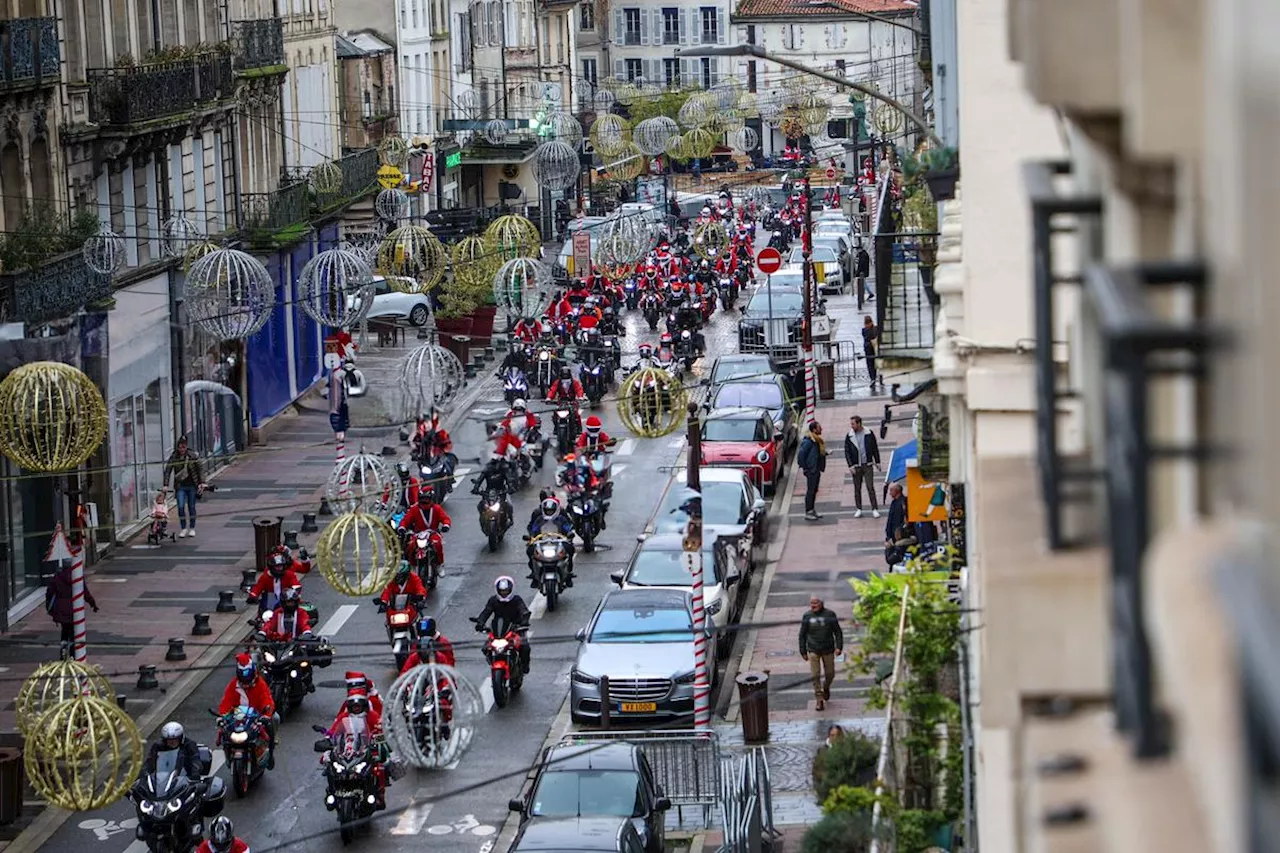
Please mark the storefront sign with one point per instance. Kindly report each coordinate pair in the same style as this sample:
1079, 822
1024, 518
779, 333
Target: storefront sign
453, 161
582, 251
428, 169
926, 500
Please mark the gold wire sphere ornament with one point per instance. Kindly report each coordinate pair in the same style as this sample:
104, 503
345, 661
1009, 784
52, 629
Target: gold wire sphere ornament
610, 134
710, 239
513, 236
628, 163
393, 151
412, 251
522, 287
430, 716
197, 251
697, 110
325, 178
104, 252
357, 553
229, 294
791, 126
358, 481
473, 261
626, 93
83, 754
701, 141
678, 149
54, 683
652, 403
52, 417
814, 110
335, 288
404, 284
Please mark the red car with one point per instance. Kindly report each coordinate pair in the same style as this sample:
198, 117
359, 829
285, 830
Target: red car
741, 437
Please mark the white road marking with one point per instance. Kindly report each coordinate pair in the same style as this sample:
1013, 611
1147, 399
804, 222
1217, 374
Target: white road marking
97, 580
459, 473
412, 819
486, 693
616, 471
539, 607
219, 761
678, 441
627, 447
334, 623
136, 847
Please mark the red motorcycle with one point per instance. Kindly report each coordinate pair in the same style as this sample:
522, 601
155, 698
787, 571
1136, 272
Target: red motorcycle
402, 625
421, 553
503, 654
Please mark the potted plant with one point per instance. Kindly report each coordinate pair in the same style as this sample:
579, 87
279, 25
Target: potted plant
941, 171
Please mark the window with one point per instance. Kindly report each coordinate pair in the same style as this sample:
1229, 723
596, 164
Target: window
670, 26
707, 83
589, 71
790, 37
413, 6
587, 16
710, 30
671, 73
635, 69
840, 72
631, 27
751, 76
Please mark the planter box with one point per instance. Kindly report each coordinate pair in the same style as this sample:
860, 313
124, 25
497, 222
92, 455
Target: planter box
942, 183
482, 320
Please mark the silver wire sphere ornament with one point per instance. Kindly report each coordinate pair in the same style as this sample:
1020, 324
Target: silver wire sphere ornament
325, 178
392, 205
495, 131
565, 128
230, 294
178, 234
603, 99
628, 240
104, 251
744, 139
653, 134
358, 482
699, 109
522, 286
555, 165
430, 377
335, 288
430, 716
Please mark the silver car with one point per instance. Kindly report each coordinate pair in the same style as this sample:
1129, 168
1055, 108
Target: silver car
642, 641
660, 562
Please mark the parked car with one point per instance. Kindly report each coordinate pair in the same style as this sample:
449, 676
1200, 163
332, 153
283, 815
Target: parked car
839, 244
827, 269
731, 506
743, 437
640, 639
609, 780
839, 225
770, 395
788, 277
659, 561
771, 320
740, 366
415, 307
572, 834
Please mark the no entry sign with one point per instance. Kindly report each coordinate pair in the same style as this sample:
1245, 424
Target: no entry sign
769, 261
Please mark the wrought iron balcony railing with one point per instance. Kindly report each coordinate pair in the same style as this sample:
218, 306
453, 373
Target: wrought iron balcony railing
258, 43
905, 304
1053, 214
161, 90
359, 177
266, 214
1140, 348
56, 288
29, 52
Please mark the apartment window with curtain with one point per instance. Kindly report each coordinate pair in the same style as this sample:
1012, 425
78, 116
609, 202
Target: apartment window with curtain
710, 25
631, 26
670, 25
635, 69
589, 71
587, 16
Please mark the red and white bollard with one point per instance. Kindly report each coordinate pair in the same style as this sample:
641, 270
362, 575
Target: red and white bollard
810, 388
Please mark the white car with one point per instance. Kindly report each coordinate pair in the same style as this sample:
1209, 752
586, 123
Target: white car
416, 307
826, 266
841, 227
731, 504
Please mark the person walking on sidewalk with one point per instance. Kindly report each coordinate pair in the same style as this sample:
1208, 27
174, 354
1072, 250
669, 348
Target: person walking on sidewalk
862, 455
57, 600
870, 342
812, 459
188, 480
821, 642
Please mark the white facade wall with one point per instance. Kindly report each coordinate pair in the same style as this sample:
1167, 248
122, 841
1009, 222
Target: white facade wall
641, 40
312, 120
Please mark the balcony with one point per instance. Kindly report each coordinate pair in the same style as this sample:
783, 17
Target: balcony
359, 177
259, 46
29, 53
56, 288
277, 218
158, 92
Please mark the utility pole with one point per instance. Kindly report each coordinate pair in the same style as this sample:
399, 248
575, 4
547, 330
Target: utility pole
693, 560
806, 236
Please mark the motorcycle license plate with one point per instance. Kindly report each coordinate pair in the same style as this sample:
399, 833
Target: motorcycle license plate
638, 707
237, 754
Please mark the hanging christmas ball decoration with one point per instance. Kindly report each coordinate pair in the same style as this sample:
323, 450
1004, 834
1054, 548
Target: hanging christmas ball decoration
179, 234
653, 134
728, 94
52, 417
335, 288
362, 244
393, 151
555, 165
430, 716
523, 287
54, 683
621, 250
565, 127
584, 90
604, 99
616, 273
771, 116
513, 236
678, 149
495, 131
357, 553
628, 163
430, 377
701, 141
473, 261
696, 111
791, 126
83, 754
325, 177
104, 252
652, 403
412, 251
392, 205
230, 294
469, 100
626, 92
710, 239
358, 482
756, 195
197, 251
610, 134
814, 110
744, 139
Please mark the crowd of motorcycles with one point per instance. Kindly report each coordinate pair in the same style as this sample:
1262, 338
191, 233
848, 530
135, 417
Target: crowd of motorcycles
570, 359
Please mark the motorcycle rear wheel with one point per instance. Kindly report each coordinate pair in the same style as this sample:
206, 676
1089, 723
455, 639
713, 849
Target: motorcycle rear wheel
552, 594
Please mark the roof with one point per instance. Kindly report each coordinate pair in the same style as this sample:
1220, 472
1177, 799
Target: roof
570, 833
360, 43
675, 542
595, 755
656, 598
823, 9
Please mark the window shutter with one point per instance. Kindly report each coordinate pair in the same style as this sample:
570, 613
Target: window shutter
828, 37
684, 26
722, 31
619, 27
715, 71
685, 72
620, 69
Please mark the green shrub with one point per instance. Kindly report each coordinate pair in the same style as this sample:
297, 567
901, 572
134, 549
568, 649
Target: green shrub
850, 760
839, 833
846, 799
914, 829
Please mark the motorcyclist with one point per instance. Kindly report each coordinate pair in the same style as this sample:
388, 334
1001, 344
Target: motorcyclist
405, 581
358, 717
288, 622
250, 689
495, 475
593, 350
429, 436
222, 838
575, 474
519, 421
578, 292
430, 642
593, 438
518, 356
509, 612
705, 275
551, 519
171, 738
590, 315
560, 308
527, 329
406, 494
426, 514
566, 388
359, 681
645, 351
271, 584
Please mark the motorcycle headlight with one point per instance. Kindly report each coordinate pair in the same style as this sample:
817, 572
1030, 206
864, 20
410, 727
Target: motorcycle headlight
341, 768
268, 657
548, 551
293, 673
399, 619
304, 664
359, 768
500, 645
577, 510
174, 804
239, 737
562, 413
544, 356
147, 807
495, 506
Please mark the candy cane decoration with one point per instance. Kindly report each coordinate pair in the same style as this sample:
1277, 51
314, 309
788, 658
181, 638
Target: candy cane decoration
701, 679
79, 650
810, 387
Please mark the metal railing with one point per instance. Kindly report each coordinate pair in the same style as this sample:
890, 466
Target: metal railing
258, 43
267, 213
846, 357
29, 52
121, 96
746, 803
57, 288
359, 177
907, 321
891, 763
1140, 348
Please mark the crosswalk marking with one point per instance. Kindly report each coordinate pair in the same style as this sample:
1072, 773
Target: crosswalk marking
334, 623
538, 608
627, 447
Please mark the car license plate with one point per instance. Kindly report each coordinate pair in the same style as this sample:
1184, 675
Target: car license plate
638, 707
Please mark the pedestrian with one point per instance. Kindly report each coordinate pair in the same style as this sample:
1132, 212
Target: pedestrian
897, 532
862, 269
834, 733
57, 601
187, 474
870, 342
821, 642
812, 459
862, 455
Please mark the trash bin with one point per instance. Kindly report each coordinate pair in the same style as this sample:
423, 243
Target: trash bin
462, 348
266, 536
12, 781
753, 696
826, 380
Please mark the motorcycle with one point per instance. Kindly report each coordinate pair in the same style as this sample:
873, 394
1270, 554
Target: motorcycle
551, 564
631, 294
687, 349
565, 425
172, 808
727, 294
594, 383
242, 734
505, 673
401, 618
351, 790
421, 554
584, 510
515, 385
495, 516
437, 472
431, 713
546, 369
288, 665
651, 309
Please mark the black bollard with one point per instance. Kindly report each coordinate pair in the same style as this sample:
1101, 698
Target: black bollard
226, 601
147, 677
388, 450
201, 627
248, 577
324, 508
121, 700
176, 649
309, 522
291, 540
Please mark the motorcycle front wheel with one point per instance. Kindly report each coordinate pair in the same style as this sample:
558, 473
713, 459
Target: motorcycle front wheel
500, 685
240, 777
494, 538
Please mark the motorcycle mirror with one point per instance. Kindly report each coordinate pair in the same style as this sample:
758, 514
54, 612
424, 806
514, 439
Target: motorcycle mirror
318, 728
323, 745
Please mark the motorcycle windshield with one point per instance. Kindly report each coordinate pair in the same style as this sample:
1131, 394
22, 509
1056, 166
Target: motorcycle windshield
167, 779
400, 602
352, 739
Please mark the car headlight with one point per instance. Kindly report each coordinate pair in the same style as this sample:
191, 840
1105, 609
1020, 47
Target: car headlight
713, 608
268, 657
582, 678
762, 457
686, 678
239, 737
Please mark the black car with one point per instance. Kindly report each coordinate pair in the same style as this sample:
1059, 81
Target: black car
572, 834
597, 780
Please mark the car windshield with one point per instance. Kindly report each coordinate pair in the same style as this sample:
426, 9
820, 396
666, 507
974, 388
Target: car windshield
783, 301
831, 244
831, 228
641, 625
821, 254
588, 793
721, 504
756, 395
667, 568
734, 429
786, 278
726, 370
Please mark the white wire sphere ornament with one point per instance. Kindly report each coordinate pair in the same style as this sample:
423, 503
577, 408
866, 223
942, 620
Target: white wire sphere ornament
430, 716
229, 294
495, 131
744, 139
603, 99
358, 482
565, 128
653, 134
430, 377
697, 110
392, 205
468, 100
178, 234
728, 94
555, 165
522, 286
104, 251
326, 177
335, 288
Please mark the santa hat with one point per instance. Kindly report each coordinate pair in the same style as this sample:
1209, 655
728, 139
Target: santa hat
243, 659
358, 680
357, 693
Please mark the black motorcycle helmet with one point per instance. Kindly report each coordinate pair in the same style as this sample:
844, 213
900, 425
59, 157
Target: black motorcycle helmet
289, 601
277, 563
566, 373
221, 834
426, 497
402, 470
